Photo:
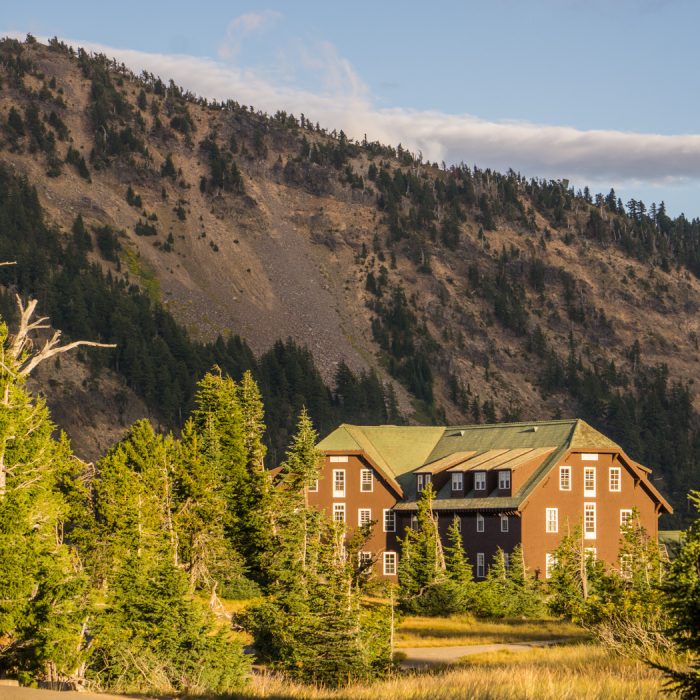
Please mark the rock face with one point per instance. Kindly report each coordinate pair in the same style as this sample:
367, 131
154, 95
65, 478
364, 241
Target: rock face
276, 230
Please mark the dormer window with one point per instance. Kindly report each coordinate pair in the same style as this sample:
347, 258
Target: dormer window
504, 479
422, 480
479, 481
457, 481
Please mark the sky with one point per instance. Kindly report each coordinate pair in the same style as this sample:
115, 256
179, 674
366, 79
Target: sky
604, 93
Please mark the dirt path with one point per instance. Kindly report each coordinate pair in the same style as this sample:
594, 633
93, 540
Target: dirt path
425, 657
16, 693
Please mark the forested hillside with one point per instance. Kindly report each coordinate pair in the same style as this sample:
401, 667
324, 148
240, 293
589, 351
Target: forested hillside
349, 276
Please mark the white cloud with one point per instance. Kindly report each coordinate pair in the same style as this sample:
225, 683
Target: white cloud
242, 26
344, 102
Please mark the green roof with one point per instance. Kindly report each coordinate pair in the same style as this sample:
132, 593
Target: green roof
399, 450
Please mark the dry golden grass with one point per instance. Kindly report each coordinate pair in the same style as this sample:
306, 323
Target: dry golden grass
574, 672
460, 630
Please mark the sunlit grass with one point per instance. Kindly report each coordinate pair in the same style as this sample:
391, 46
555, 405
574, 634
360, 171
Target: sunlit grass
559, 673
460, 630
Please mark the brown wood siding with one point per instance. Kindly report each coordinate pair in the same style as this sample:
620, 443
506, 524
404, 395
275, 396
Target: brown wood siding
380, 498
570, 504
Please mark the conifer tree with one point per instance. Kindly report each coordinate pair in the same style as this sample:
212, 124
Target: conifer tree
681, 597
201, 512
257, 530
43, 593
422, 564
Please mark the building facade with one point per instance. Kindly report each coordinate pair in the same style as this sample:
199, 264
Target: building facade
507, 484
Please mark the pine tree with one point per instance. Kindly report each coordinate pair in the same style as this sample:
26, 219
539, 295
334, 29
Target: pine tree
257, 529
681, 598
422, 564
43, 593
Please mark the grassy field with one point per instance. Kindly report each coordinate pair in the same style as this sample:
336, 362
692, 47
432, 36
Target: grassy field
460, 630
575, 672
579, 670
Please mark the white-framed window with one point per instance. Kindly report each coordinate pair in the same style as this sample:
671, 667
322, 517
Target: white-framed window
313, 486
626, 565
552, 520
339, 512
338, 459
589, 457
504, 523
506, 560
479, 522
588, 481
364, 516
591, 553
414, 521
479, 481
339, 483
457, 481
480, 565
565, 478
589, 521
625, 516
389, 520
420, 482
364, 558
504, 479
615, 479
366, 481
549, 564
389, 563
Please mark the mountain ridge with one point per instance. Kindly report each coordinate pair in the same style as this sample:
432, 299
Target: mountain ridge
475, 294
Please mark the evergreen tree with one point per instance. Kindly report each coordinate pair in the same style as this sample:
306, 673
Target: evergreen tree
681, 597
422, 567
43, 592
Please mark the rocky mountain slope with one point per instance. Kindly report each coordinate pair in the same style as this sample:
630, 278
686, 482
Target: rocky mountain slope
476, 295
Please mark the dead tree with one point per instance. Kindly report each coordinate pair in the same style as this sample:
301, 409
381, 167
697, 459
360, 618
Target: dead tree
21, 348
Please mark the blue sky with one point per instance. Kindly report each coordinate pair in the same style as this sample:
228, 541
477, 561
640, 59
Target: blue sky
603, 92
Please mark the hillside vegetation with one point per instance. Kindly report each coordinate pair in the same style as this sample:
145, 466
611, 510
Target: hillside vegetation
194, 233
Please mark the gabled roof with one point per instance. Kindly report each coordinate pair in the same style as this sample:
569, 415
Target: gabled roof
401, 451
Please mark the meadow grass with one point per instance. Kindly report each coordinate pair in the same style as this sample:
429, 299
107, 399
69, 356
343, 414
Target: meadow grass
458, 630
575, 672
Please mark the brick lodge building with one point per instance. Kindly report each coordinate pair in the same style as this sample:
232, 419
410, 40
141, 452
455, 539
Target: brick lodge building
508, 484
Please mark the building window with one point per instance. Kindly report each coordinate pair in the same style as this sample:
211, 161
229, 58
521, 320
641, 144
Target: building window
549, 564
615, 479
364, 516
389, 520
504, 523
338, 458
339, 483
589, 457
565, 478
457, 481
506, 560
479, 522
422, 481
389, 563
591, 553
552, 520
339, 512
625, 517
414, 521
504, 479
589, 481
480, 565
589, 521
479, 481
366, 481
364, 558
313, 486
